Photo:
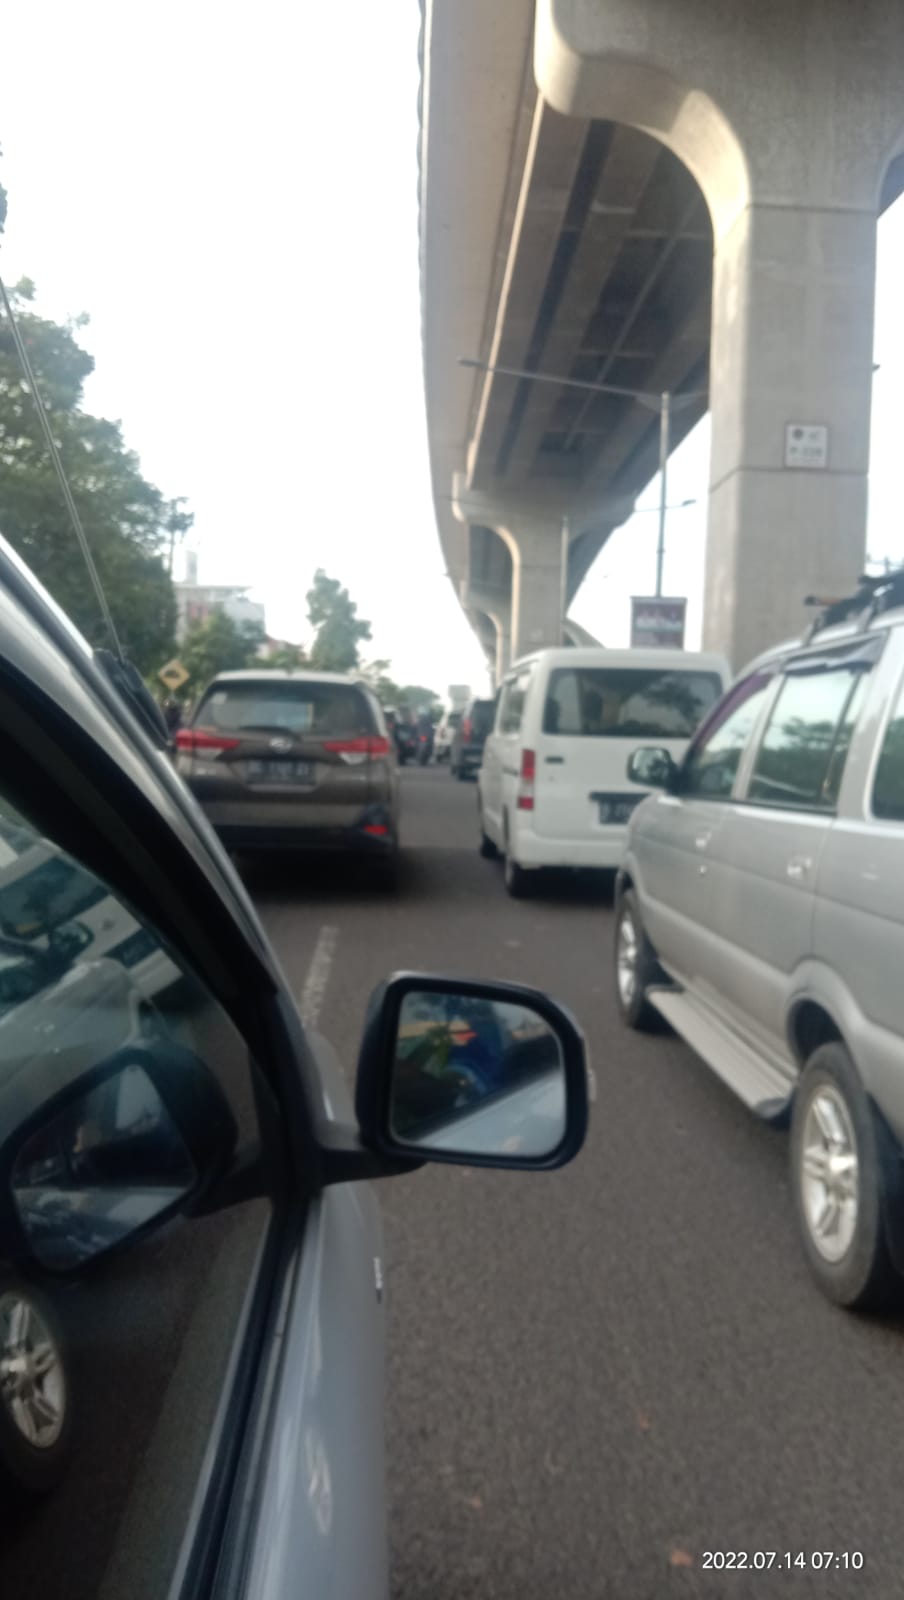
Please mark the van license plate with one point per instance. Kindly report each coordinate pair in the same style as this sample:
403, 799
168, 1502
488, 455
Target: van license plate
615, 808
280, 771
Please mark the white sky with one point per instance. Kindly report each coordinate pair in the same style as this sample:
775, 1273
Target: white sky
230, 193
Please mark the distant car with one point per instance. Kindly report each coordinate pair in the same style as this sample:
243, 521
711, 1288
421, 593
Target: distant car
466, 749
445, 731
294, 760
552, 785
759, 911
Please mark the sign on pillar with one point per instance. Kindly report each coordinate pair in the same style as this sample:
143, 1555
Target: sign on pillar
657, 623
807, 445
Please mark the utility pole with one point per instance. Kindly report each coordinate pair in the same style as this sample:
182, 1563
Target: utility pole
664, 431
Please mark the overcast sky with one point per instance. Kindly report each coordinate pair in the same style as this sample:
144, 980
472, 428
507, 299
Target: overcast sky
230, 193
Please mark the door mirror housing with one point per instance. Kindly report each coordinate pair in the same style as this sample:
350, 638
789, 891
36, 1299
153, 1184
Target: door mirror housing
476, 1074
110, 1156
653, 767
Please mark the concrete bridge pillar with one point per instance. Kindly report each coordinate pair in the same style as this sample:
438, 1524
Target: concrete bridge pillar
539, 535
788, 117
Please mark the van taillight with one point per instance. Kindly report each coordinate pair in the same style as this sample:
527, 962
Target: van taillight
526, 781
466, 729
194, 741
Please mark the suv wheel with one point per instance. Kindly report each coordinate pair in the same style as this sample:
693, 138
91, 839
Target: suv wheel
844, 1162
636, 967
34, 1393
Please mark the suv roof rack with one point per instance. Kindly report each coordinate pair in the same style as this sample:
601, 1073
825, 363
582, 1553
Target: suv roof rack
874, 594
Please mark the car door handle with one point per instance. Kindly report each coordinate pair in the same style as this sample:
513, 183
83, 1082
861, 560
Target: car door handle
555, 761
799, 868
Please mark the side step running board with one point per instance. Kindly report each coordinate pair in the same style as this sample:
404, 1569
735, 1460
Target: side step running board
758, 1084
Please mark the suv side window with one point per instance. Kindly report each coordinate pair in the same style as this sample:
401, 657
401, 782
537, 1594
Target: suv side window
713, 759
119, 1301
888, 788
801, 756
511, 710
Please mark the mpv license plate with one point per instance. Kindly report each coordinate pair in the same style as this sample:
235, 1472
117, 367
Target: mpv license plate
615, 808
280, 771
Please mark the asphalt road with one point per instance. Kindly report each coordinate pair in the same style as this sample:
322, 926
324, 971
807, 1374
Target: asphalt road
598, 1375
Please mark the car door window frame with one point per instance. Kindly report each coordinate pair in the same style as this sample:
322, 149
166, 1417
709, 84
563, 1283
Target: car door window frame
849, 658
714, 722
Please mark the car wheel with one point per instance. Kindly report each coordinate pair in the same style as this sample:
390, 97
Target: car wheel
487, 848
35, 1406
387, 871
519, 883
636, 967
844, 1165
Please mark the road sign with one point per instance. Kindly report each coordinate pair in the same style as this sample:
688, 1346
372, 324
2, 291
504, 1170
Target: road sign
173, 674
657, 623
806, 445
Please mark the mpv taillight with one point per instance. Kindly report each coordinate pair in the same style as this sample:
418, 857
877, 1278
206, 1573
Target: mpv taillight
371, 748
466, 730
192, 741
526, 780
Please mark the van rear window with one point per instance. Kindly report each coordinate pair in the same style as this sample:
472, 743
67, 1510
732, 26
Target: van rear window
320, 709
628, 702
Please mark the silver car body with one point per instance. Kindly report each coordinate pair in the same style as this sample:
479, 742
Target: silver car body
776, 922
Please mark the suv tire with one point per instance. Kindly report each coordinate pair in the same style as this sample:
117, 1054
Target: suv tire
636, 967
844, 1168
26, 1467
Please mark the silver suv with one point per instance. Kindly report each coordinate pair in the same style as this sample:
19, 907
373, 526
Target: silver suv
760, 912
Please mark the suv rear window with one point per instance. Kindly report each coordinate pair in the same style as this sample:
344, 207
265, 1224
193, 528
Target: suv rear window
628, 702
320, 709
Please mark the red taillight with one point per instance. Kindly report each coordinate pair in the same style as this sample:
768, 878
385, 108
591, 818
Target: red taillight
372, 749
466, 729
190, 740
526, 782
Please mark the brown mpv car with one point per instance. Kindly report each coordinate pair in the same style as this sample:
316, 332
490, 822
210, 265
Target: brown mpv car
294, 760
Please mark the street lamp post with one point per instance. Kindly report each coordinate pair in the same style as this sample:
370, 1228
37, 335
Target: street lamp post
665, 403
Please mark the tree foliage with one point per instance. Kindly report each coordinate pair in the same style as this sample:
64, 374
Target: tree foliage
340, 631
124, 516
285, 658
217, 645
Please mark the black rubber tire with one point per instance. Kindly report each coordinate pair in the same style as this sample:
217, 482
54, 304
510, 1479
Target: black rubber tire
487, 849
638, 1013
386, 871
518, 883
25, 1469
865, 1279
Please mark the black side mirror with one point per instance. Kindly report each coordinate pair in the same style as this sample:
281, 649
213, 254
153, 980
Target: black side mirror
111, 1156
479, 1074
652, 767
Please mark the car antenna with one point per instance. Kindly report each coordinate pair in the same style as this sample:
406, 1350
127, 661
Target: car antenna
71, 506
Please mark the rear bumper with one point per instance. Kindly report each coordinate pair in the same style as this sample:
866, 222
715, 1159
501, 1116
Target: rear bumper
469, 757
533, 850
255, 827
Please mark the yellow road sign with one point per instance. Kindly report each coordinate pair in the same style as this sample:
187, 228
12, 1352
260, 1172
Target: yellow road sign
173, 674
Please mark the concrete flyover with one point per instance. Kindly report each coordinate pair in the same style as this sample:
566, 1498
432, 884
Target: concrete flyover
652, 196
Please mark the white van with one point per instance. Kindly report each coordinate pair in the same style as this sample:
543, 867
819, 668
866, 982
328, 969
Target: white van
553, 788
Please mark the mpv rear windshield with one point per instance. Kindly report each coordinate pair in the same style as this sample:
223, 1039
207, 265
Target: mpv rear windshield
319, 709
628, 702
482, 715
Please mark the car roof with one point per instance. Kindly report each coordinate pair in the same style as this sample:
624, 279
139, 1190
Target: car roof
283, 675
823, 638
600, 656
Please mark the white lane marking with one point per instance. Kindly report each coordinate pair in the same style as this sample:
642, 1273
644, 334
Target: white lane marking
312, 995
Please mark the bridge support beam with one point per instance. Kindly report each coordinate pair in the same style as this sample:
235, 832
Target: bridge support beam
789, 118
539, 534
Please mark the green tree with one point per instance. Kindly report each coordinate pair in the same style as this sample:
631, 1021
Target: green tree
414, 695
124, 516
285, 658
376, 675
217, 645
340, 631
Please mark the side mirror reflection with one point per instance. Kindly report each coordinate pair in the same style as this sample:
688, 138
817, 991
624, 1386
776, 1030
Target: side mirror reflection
100, 1170
476, 1077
